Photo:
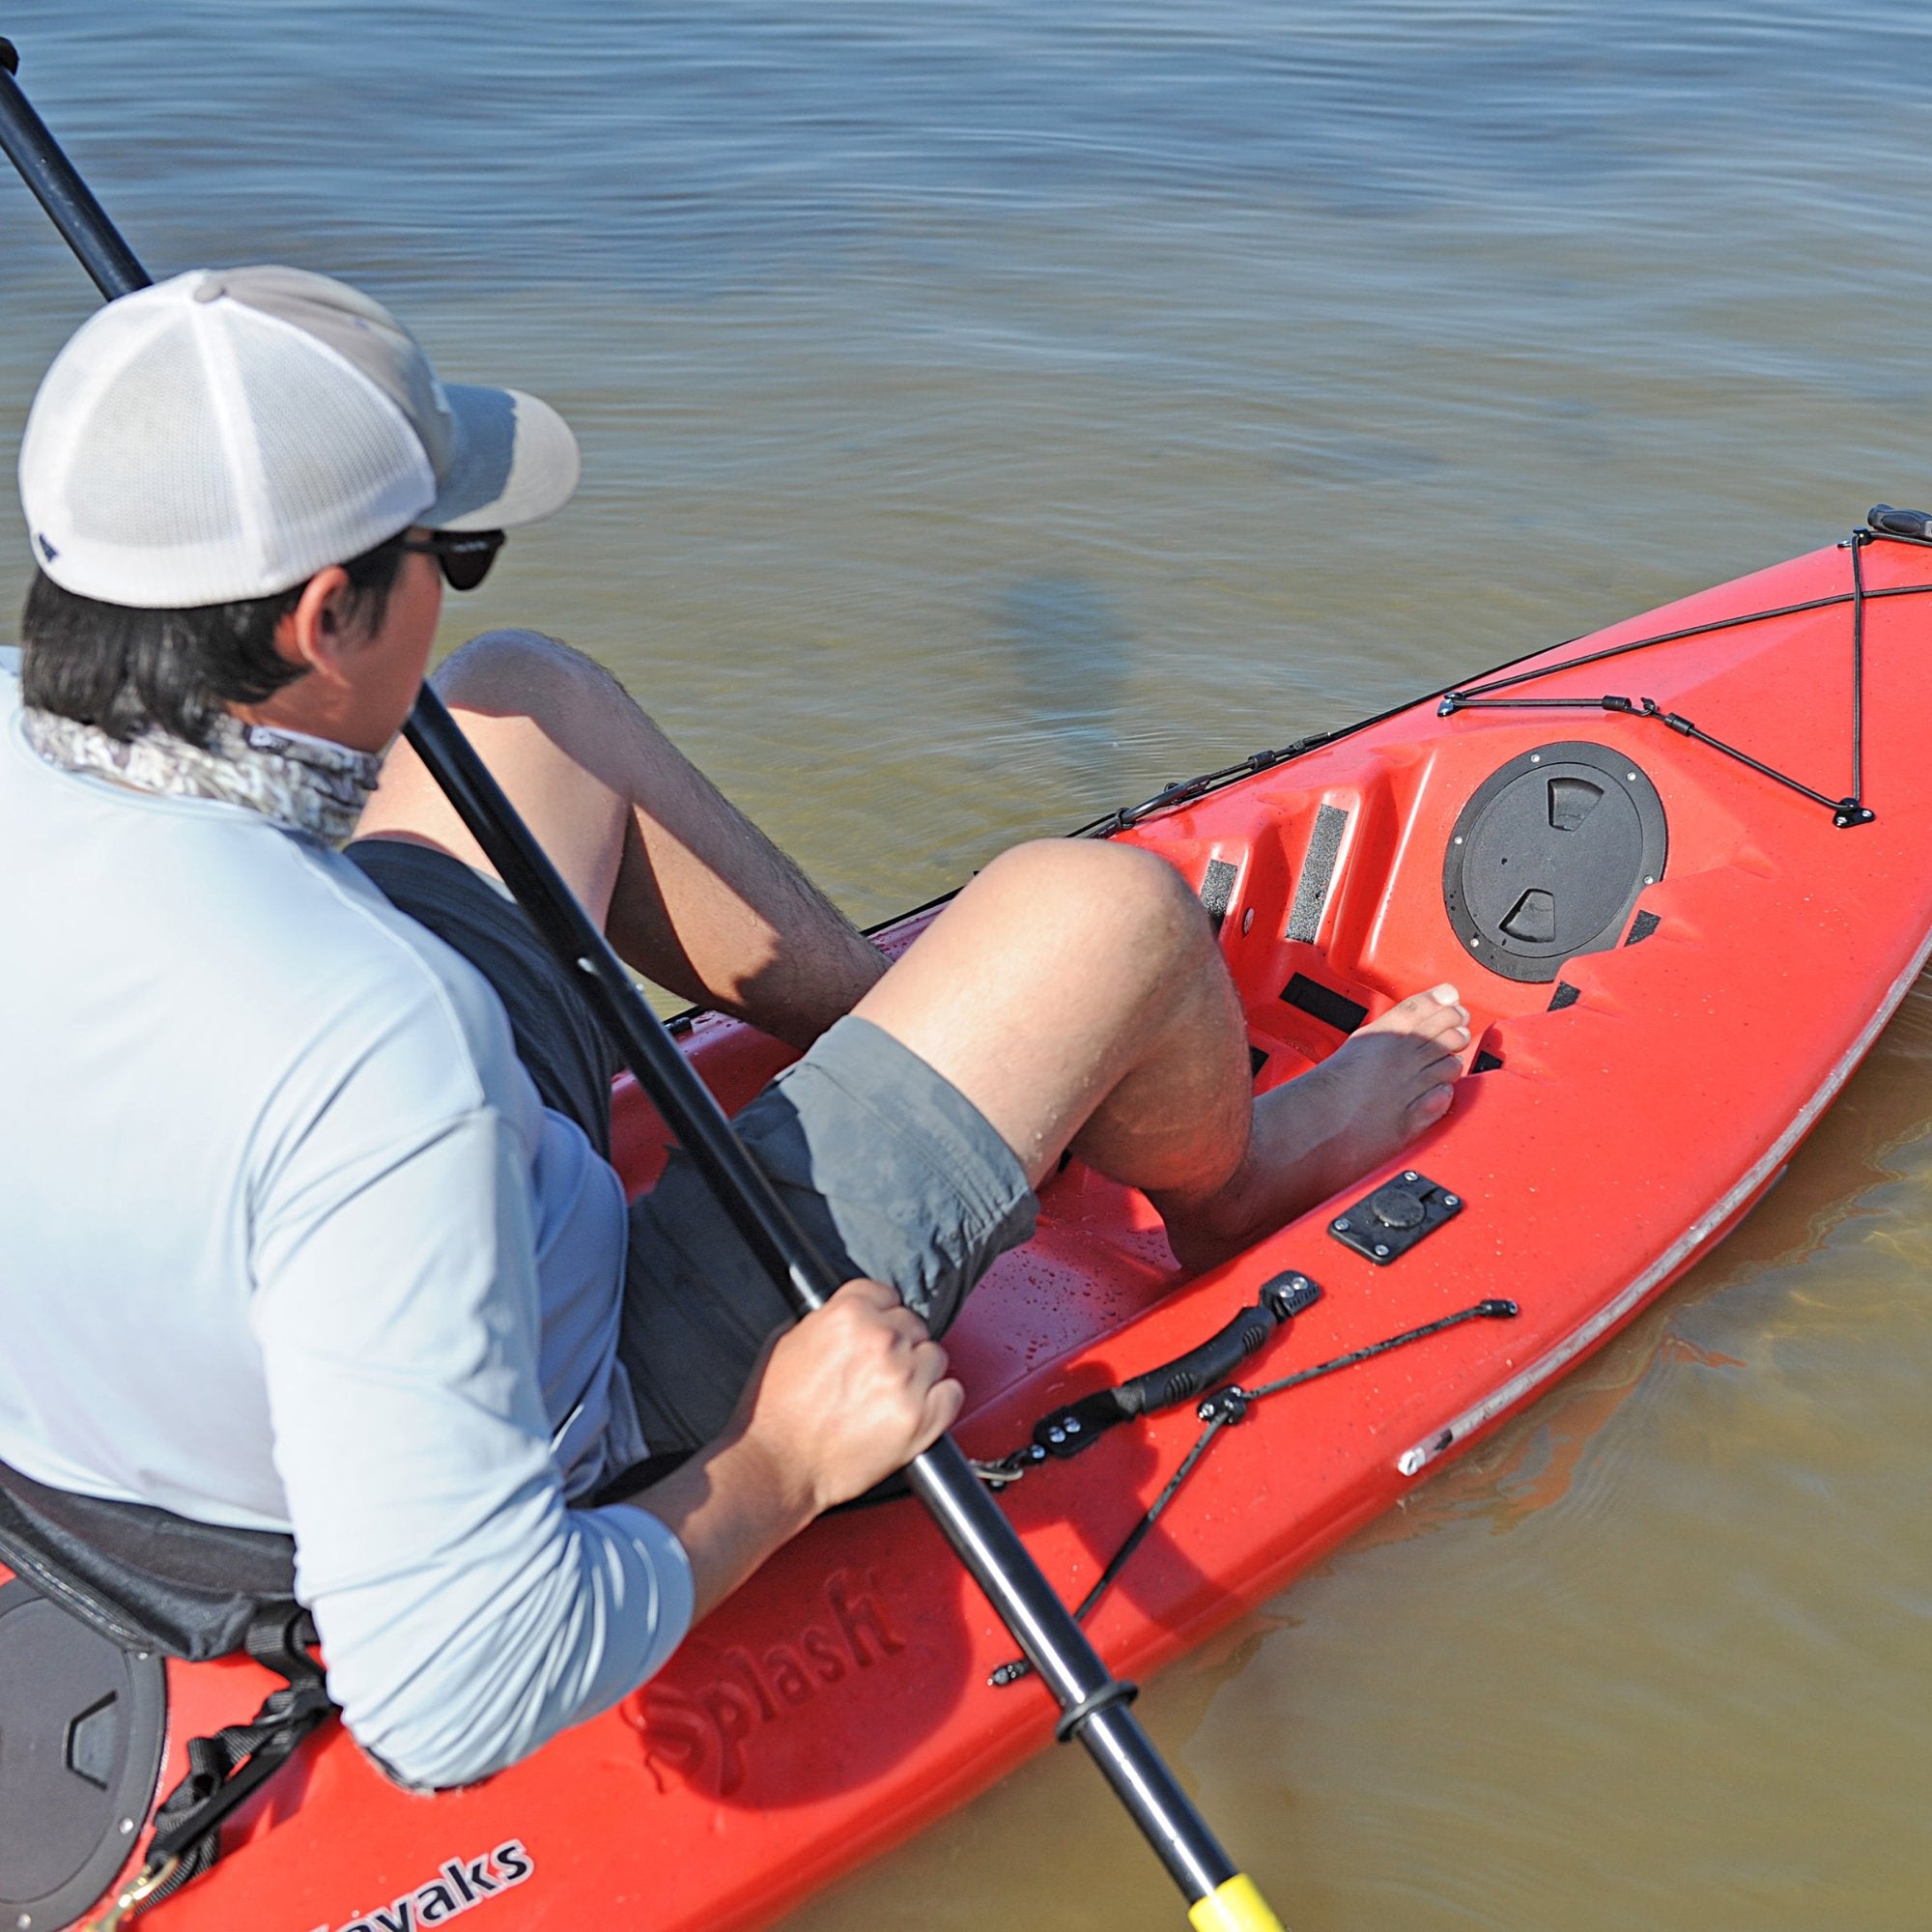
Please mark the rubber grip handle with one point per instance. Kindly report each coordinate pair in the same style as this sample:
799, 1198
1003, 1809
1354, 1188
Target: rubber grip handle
1210, 1362
1899, 523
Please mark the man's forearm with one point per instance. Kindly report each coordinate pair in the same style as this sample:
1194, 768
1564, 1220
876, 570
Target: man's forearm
730, 1507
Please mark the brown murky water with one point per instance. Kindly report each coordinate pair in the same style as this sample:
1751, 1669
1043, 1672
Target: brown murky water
993, 412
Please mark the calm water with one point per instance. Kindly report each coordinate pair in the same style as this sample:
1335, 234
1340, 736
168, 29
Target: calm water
993, 411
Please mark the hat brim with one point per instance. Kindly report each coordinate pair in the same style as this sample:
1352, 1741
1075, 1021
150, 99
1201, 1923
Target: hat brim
515, 462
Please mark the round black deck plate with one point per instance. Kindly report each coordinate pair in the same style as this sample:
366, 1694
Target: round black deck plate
81, 1748
1548, 856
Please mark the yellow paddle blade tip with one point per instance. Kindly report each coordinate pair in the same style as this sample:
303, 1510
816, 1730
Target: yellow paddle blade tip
1235, 1906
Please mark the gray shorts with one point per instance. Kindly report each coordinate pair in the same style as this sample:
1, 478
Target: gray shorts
888, 1169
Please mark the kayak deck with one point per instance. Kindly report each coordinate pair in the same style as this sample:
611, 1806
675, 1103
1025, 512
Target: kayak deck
1630, 1110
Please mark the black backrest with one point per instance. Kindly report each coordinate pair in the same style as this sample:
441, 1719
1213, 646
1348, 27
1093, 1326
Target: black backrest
145, 1578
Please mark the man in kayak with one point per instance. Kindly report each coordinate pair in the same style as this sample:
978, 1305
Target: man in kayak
308, 1221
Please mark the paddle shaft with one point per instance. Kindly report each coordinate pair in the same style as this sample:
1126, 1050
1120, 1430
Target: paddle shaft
967, 1516
1093, 1702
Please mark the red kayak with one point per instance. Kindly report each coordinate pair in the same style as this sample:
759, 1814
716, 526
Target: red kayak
1681, 872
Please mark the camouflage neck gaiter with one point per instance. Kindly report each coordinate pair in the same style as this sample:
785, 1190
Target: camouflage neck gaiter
301, 783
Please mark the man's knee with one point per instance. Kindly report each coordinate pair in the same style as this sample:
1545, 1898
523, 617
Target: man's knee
1113, 896
525, 673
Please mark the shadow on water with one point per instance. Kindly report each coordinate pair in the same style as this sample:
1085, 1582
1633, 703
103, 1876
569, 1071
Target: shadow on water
1071, 653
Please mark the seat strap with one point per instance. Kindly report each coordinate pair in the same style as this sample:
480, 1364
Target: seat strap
224, 1768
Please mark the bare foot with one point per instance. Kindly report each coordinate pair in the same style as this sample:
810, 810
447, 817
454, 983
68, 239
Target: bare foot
1317, 1133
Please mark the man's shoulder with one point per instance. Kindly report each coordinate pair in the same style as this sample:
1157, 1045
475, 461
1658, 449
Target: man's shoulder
247, 936
263, 948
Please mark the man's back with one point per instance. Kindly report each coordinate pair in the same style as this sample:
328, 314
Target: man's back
214, 1034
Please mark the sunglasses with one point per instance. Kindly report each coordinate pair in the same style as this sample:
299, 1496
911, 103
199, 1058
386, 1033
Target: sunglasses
466, 555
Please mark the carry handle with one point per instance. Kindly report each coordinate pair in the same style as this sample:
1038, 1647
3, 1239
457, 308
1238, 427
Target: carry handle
1217, 1358
1899, 523
1070, 1428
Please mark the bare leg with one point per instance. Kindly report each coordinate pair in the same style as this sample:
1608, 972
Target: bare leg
691, 893
1074, 993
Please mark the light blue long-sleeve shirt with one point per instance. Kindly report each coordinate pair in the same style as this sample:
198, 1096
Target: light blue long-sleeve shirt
287, 1241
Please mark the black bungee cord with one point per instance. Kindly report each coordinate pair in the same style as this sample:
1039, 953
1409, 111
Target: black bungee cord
1882, 524
1223, 1409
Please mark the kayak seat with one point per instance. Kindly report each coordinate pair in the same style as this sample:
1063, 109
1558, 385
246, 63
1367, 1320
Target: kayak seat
141, 1577
101, 1592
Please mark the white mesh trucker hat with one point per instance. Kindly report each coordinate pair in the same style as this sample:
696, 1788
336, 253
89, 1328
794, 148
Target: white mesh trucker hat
229, 433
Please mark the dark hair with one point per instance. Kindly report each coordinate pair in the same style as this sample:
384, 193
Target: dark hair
124, 669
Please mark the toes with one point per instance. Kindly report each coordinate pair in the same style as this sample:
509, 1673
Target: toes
1418, 1007
1437, 1053
1449, 1017
1429, 1107
1428, 1014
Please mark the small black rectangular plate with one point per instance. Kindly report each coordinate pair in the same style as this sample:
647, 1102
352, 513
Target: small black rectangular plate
1330, 1008
1389, 1221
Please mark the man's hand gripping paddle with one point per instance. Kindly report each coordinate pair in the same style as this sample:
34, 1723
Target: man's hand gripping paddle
1092, 1703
